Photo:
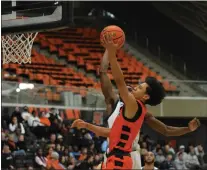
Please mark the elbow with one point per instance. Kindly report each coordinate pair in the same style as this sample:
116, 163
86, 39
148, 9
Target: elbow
106, 133
166, 132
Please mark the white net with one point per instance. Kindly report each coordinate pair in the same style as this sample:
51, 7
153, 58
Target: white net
17, 47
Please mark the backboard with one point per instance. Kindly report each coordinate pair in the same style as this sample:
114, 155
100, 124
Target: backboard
35, 16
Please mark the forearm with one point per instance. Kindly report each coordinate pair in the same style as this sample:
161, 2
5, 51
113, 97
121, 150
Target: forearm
115, 68
165, 130
106, 85
176, 131
99, 131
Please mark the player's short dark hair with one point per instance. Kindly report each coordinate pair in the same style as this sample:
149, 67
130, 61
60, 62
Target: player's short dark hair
155, 90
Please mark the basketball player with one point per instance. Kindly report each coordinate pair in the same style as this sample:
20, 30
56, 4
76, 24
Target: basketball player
149, 160
113, 106
132, 113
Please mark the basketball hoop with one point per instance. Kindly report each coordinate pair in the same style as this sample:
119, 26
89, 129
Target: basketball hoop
17, 47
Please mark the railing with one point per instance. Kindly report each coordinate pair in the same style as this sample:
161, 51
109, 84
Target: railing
74, 98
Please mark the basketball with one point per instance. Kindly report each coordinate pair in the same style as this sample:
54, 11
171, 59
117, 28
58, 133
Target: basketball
116, 32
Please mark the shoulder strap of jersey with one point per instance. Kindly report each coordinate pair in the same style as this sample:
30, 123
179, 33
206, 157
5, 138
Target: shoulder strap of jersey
144, 109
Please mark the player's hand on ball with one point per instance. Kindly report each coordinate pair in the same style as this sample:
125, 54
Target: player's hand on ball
194, 124
108, 42
80, 124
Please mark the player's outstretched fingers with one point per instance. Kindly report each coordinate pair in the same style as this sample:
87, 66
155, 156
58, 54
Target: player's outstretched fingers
75, 123
198, 122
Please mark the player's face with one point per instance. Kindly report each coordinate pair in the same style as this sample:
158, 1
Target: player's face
149, 157
139, 91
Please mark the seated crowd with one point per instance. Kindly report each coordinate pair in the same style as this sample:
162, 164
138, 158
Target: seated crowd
60, 147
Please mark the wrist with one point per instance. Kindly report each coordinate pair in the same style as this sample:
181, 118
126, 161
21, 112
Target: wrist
112, 51
189, 130
86, 125
103, 70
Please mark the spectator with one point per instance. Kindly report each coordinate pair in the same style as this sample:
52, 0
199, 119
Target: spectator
149, 160
59, 139
143, 152
55, 120
11, 143
14, 125
200, 153
71, 163
183, 153
144, 145
179, 162
70, 149
50, 151
192, 159
17, 114
64, 161
92, 147
58, 149
104, 146
83, 154
53, 115
168, 150
3, 139
149, 142
6, 158
20, 147
52, 141
97, 159
168, 163
54, 162
204, 166
88, 164
76, 151
40, 160
158, 146
159, 157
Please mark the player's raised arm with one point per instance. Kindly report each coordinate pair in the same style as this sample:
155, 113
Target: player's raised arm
128, 98
106, 86
165, 130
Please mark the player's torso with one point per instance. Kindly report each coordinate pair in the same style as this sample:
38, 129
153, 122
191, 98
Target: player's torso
112, 118
123, 132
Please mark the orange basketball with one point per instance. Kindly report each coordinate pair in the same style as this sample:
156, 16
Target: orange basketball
116, 32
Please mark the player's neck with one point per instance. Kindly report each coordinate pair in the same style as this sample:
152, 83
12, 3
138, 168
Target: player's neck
149, 167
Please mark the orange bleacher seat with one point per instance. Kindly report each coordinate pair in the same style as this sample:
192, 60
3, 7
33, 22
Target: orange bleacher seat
69, 114
166, 85
62, 52
71, 58
76, 114
53, 48
30, 109
5, 66
172, 88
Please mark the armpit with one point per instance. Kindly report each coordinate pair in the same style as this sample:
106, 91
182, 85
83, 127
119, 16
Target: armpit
148, 116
